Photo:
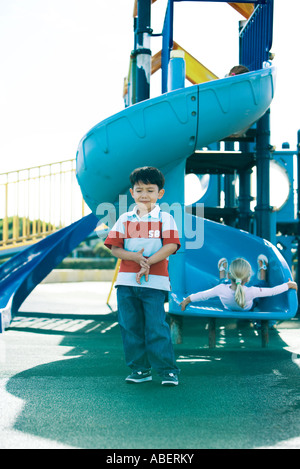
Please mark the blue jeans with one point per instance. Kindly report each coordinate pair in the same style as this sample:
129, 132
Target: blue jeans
145, 332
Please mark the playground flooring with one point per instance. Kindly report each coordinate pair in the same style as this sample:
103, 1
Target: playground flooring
62, 382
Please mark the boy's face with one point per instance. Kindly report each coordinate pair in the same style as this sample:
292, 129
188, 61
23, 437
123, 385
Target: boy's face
146, 195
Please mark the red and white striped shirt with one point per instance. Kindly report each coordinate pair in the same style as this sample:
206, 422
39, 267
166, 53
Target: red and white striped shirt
151, 232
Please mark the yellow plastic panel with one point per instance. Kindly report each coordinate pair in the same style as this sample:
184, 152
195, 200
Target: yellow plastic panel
245, 9
196, 72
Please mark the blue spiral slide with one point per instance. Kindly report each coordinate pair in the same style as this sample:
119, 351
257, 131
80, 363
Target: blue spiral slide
162, 132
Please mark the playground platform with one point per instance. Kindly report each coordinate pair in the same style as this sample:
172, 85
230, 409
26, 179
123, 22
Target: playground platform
62, 382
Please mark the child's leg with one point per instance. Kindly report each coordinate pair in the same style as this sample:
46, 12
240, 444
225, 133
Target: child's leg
223, 270
262, 263
262, 275
157, 332
132, 325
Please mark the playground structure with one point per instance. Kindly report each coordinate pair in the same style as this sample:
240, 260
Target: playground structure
35, 202
187, 126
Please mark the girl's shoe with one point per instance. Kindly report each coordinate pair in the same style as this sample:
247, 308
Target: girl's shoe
262, 263
223, 270
223, 265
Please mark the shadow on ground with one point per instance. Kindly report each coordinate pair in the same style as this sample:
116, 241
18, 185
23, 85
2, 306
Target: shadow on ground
235, 396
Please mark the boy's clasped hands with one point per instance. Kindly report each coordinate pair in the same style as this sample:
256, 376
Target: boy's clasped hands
145, 267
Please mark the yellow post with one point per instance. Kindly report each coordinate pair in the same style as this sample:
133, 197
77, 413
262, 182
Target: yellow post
196, 72
15, 228
34, 230
5, 220
113, 280
44, 229
24, 228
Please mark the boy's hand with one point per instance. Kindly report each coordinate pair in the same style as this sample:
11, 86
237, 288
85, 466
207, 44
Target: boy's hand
140, 259
292, 285
143, 271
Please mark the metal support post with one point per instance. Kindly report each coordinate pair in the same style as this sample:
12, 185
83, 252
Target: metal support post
245, 198
174, 200
263, 155
142, 50
212, 332
263, 208
176, 72
298, 209
229, 187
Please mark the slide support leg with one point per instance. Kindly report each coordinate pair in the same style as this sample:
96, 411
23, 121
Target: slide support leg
212, 332
264, 333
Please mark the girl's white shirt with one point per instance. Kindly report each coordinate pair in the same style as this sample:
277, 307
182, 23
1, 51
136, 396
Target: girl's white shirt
227, 294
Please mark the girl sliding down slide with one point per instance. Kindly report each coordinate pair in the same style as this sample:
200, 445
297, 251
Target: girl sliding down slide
235, 295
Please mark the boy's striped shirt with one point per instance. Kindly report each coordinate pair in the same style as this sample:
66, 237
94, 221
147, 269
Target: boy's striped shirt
151, 232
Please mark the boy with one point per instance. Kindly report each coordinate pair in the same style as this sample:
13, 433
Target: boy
143, 239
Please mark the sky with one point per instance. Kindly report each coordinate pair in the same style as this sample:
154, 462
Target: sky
63, 63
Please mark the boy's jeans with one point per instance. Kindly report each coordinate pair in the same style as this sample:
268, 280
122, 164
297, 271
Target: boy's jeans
145, 332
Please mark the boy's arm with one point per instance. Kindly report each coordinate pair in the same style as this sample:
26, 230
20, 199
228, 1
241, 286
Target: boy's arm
162, 253
125, 255
138, 257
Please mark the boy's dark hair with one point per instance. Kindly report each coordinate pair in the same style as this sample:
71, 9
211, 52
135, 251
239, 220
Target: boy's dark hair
147, 175
238, 70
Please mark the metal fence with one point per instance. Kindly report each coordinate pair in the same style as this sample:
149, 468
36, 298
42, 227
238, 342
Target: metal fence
35, 202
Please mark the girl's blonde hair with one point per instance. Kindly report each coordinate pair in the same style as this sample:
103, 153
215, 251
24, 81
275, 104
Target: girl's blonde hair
240, 271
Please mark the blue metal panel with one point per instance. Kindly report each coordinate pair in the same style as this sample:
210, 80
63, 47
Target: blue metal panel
167, 45
256, 37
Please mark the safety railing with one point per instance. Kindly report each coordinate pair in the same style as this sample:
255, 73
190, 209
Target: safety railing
35, 202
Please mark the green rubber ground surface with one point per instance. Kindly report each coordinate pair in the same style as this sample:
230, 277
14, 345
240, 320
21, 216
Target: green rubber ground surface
62, 386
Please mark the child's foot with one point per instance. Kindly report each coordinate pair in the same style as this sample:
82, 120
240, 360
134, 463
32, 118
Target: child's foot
262, 262
139, 377
223, 267
271, 325
170, 379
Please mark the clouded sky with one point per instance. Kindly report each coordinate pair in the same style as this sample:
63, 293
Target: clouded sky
63, 63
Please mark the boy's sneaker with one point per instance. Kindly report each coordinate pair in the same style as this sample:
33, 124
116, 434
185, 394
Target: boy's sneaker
170, 379
139, 377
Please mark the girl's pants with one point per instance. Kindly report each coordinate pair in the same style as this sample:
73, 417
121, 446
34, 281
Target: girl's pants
145, 332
